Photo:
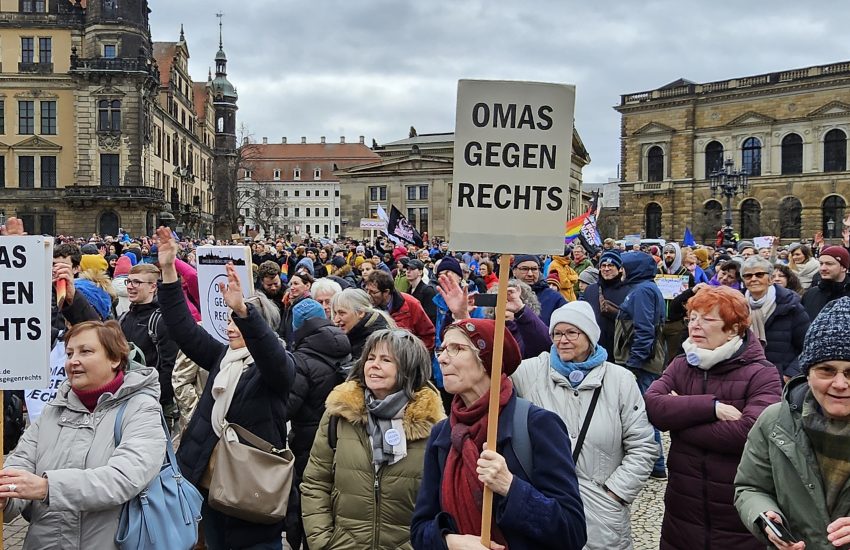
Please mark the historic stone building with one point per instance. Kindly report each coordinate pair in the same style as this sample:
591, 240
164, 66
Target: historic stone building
415, 176
788, 130
98, 126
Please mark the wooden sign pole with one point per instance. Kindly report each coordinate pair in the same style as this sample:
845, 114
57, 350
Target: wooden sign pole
495, 386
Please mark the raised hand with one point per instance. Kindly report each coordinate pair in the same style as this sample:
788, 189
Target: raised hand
14, 227
233, 293
167, 247
454, 295
63, 272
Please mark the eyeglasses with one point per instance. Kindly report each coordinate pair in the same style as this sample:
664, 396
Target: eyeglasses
571, 335
523, 269
759, 274
374, 291
138, 282
826, 372
702, 321
452, 349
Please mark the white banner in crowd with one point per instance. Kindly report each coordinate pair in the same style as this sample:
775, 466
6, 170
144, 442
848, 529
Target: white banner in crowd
37, 399
25, 278
512, 156
212, 280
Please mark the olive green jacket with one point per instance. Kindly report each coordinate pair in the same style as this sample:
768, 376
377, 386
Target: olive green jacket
345, 503
779, 472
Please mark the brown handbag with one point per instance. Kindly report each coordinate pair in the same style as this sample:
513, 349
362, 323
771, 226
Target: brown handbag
250, 482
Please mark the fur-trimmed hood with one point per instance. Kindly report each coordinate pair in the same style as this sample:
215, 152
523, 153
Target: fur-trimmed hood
425, 409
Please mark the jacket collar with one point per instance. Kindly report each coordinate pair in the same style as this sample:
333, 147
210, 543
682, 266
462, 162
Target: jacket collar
142, 380
348, 400
591, 381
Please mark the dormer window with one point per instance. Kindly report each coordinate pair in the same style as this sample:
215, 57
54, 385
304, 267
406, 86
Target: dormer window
317, 174
277, 174
297, 174
248, 174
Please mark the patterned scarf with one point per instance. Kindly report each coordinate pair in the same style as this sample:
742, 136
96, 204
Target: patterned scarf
761, 310
462, 492
385, 417
830, 439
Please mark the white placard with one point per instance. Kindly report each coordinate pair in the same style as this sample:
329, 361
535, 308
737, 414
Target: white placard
671, 285
25, 278
212, 280
763, 242
373, 224
37, 399
512, 156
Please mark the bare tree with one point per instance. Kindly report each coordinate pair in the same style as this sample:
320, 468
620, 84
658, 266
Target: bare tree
263, 205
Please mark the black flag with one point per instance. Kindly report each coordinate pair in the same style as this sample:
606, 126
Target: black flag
401, 228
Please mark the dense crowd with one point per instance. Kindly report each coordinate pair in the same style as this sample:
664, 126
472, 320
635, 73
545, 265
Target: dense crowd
370, 362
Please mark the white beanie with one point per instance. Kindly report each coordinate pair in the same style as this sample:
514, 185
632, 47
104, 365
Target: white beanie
580, 315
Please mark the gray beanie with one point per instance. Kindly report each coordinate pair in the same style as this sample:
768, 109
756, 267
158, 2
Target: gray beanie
580, 315
826, 339
589, 276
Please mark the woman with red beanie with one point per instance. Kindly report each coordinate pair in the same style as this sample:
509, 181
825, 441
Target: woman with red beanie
536, 501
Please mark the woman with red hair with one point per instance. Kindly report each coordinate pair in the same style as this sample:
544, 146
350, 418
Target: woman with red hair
709, 398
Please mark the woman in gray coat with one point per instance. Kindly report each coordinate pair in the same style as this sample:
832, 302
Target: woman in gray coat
66, 477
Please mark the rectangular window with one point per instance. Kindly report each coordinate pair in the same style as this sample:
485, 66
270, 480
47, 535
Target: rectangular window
276, 211
27, 49
48, 117
326, 212
411, 216
308, 212
285, 193
326, 192
423, 220
110, 51
26, 172
316, 232
2, 117
277, 174
336, 230
2, 172
297, 174
308, 192
317, 175
26, 117
336, 193
297, 192
48, 224
297, 212
411, 193
326, 230
423, 192
285, 212
48, 172
109, 170
376, 193
336, 212
45, 50
29, 223
276, 194
373, 212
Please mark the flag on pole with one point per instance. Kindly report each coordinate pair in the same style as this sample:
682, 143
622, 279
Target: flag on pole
399, 227
573, 229
382, 215
689, 238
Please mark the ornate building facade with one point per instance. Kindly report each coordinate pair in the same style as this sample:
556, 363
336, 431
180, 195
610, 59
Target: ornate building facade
88, 105
788, 130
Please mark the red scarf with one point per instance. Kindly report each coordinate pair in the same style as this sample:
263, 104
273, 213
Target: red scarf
89, 398
462, 492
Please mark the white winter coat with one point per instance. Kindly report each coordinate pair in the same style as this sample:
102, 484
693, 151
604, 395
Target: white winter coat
88, 478
619, 449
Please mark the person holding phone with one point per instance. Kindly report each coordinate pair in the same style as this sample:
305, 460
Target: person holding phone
792, 488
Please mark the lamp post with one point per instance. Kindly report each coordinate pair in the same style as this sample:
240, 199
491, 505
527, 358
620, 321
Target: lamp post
728, 182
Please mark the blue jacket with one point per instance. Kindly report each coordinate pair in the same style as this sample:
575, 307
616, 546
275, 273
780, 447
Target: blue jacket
547, 514
613, 292
550, 300
644, 305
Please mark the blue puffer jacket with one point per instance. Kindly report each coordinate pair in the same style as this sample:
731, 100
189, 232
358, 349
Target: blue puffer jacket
644, 305
786, 329
550, 300
544, 514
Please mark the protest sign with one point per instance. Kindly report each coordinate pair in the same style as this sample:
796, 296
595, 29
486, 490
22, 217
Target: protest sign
36, 399
671, 285
762, 242
373, 224
25, 287
512, 155
212, 281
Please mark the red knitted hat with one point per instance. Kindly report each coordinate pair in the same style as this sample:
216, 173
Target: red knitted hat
481, 332
553, 277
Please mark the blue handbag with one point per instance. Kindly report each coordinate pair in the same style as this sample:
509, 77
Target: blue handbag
166, 513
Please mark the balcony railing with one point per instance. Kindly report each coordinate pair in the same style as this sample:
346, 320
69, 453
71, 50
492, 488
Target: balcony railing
35, 68
133, 64
104, 192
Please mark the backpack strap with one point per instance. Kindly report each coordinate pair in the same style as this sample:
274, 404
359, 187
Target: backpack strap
122, 316
153, 323
586, 424
333, 422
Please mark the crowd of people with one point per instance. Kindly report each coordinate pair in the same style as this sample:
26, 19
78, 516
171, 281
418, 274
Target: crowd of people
371, 362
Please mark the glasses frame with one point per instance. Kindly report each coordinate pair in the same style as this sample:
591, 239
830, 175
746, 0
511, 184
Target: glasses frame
135, 283
446, 348
563, 335
819, 373
757, 274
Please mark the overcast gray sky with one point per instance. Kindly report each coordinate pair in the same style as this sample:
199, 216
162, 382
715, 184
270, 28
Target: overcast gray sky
375, 67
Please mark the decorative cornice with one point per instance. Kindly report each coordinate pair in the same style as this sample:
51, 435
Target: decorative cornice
654, 128
831, 109
751, 118
38, 143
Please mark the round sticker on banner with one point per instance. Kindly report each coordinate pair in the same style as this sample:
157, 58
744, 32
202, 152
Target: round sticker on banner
392, 437
576, 376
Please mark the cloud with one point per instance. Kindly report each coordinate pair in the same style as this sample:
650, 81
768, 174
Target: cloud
376, 67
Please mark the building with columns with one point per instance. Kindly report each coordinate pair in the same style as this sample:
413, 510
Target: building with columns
788, 130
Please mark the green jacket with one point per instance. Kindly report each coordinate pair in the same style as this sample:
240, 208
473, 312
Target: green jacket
345, 504
779, 472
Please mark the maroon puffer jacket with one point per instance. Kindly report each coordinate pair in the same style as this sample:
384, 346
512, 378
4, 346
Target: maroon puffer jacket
704, 451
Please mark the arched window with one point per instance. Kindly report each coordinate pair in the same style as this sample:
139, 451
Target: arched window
653, 220
833, 211
750, 219
713, 158
790, 218
752, 156
655, 164
109, 115
108, 223
792, 154
835, 151
712, 220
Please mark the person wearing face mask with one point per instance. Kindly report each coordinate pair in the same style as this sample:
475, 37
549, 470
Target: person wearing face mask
249, 382
708, 399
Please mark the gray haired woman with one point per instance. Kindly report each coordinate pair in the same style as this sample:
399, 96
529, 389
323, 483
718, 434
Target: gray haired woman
365, 467
352, 311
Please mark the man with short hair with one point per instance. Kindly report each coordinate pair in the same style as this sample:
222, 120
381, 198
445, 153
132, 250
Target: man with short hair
833, 284
269, 282
405, 310
421, 290
143, 325
526, 268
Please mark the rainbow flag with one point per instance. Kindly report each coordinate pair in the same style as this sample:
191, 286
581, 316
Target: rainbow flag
573, 228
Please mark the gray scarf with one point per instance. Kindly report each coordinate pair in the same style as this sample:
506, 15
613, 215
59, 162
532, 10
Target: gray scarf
761, 310
386, 429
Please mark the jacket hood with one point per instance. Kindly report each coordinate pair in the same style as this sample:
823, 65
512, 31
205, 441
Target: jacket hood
369, 324
639, 266
142, 380
425, 409
673, 268
795, 392
321, 338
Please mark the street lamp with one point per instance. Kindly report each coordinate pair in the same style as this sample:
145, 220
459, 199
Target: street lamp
728, 182
830, 228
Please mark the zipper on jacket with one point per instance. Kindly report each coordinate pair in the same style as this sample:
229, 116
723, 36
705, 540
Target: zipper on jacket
376, 521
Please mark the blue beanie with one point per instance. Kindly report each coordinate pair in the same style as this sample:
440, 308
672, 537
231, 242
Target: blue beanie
96, 296
133, 258
307, 308
307, 264
611, 257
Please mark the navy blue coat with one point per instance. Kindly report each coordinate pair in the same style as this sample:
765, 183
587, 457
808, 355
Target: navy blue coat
786, 329
550, 300
546, 515
615, 293
644, 305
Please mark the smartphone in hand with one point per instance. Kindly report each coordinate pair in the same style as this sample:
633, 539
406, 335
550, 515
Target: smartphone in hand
778, 529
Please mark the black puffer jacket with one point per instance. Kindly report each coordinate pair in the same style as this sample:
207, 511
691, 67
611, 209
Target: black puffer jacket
362, 330
259, 400
786, 329
822, 293
321, 351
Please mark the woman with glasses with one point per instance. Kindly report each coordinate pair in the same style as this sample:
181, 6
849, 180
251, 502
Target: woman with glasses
708, 399
778, 318
795, 467
366, 462
616, 458
536, 501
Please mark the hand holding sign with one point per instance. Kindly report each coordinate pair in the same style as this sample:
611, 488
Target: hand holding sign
63, 276
233, 293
